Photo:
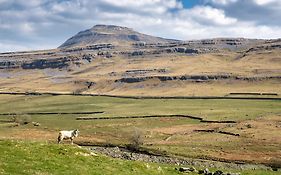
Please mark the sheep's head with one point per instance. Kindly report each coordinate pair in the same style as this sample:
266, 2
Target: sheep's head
76, 132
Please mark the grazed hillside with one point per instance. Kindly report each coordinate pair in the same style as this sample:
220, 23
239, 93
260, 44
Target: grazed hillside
119, 61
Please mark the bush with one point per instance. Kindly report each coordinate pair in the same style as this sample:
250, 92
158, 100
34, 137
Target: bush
275, 163
21, 119
136, 140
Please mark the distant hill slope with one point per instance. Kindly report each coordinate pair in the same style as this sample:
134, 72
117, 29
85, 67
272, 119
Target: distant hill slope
110, 34
116, 60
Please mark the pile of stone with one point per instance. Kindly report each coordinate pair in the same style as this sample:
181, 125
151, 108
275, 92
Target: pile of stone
205, 171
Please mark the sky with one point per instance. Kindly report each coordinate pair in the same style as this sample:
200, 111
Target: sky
46, 24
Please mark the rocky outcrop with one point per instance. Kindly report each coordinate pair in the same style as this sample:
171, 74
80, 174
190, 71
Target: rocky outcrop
43, 64
183, 50
230, 43
205, 171
143, 72
197, 78
194, 78
90, 47
206, 44
8, 65
144, 52
264, 47
267, 46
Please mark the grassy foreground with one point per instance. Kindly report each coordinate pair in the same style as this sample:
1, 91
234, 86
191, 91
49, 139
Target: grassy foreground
18, 157
25, 157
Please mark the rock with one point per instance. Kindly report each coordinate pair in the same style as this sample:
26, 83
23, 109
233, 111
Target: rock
193, 169
47, 63
93, 154
36, 124
170, 50
8, 65
191, 51
137, 53
85, 154
185, 169
248, 125
108, 55
206, 171
180, 49
127, 156
141, 44
218, 172
116, 149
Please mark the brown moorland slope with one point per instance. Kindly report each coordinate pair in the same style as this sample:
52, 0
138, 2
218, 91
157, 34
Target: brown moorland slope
116, 60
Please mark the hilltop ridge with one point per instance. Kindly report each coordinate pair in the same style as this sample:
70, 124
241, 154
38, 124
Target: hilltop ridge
99, 34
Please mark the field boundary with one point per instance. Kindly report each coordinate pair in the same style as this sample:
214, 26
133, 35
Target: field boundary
156, 116
51, 113
214, 131
138, 97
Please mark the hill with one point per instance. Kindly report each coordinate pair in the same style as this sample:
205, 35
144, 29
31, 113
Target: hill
100, 34
115, 60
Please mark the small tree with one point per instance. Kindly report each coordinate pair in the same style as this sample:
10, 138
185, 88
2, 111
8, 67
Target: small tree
136, 140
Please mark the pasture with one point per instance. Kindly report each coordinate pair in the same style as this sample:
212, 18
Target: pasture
43, 158
257, 124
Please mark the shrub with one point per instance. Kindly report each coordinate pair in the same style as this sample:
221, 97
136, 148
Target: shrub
136, 140
21, 119
275, 163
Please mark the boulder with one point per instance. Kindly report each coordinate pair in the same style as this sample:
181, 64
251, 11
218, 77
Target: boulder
187, 169
36, 124
180, 49
218, 172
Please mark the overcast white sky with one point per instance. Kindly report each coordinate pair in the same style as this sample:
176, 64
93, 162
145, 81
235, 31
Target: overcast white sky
43, 24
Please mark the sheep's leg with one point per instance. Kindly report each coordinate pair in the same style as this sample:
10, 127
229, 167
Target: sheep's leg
71, 140
59, 139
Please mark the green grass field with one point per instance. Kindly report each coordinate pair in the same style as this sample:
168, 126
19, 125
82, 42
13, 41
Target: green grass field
208, 109
25, 158
258, 123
